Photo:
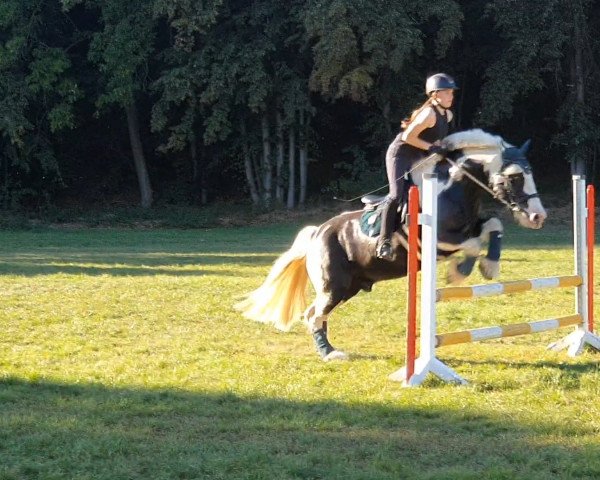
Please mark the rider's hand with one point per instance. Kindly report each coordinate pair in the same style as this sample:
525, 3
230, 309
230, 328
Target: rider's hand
438, 149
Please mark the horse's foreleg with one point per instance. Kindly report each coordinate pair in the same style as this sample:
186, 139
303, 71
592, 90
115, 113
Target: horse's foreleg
491, 232
458, 271
489, 266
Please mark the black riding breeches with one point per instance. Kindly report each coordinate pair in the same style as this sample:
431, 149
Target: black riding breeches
397, 167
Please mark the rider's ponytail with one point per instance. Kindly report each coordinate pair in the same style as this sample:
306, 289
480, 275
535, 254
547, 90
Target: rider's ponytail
408, 120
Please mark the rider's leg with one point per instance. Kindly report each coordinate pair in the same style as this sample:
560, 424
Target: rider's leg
396, 167
388, 224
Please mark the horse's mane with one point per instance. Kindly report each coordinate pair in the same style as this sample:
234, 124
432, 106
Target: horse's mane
475, 138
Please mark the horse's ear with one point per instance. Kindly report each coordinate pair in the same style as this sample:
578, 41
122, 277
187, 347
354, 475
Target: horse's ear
525, 147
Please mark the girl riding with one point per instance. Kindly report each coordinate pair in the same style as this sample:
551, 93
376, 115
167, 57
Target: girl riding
420, 137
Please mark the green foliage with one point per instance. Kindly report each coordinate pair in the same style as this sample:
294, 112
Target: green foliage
535, 33
357, 40
123, 49
38, 92
356, 176
189, 18
548, 47
49, 78
198, 69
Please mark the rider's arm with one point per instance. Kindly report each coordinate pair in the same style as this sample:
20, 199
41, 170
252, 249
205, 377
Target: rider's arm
425, 119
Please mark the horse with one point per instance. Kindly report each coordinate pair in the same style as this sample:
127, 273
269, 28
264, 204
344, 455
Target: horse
339, 258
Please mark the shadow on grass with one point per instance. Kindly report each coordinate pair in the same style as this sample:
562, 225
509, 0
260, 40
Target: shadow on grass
52, 430
128, 264
165, 252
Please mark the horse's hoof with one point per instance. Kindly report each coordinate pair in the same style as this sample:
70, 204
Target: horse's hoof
335, 355
489, 269
453, 275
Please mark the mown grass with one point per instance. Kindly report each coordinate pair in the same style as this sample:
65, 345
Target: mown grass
121, 358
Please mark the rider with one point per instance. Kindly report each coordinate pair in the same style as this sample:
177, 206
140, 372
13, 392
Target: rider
420, 137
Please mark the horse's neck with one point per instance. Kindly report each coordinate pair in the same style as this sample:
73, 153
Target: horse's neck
490, 158
418, 173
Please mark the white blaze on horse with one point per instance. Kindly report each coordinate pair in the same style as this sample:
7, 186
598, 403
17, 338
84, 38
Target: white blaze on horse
339, 257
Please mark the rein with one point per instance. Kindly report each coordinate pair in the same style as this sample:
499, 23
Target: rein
510, 205
417, 165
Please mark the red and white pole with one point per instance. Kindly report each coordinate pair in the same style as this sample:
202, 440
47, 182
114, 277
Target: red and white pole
413, 267
591, 234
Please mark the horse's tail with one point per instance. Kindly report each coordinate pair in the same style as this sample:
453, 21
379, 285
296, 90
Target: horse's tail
281, 299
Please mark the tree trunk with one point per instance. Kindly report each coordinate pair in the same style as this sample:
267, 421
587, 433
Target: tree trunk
291, 165
386, 118
578, 163
303, 158
203, 179
194, 159
195, 170
267, 167
280, 157
198, 173
138, 155
250, 180
5, 194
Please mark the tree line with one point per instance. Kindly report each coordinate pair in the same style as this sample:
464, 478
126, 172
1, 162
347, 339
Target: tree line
273, 101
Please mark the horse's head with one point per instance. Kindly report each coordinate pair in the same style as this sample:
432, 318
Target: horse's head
507, 170
514, 183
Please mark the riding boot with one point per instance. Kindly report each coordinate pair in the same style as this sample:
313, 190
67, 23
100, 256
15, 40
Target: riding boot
388, 224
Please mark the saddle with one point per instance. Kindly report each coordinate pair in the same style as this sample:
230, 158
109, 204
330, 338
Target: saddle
370, 220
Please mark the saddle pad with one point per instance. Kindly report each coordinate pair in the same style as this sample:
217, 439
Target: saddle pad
370, 222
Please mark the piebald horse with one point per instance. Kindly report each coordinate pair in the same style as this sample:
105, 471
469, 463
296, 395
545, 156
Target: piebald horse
340, 260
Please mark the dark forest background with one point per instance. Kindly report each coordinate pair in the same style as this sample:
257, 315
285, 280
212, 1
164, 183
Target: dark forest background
275, 102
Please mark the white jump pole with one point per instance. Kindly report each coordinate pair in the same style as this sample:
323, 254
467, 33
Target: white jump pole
576, 341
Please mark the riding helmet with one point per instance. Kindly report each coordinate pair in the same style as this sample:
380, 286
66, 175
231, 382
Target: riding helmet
439, 81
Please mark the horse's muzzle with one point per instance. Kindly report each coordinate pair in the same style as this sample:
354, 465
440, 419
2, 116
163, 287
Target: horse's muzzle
537, 220
532, 220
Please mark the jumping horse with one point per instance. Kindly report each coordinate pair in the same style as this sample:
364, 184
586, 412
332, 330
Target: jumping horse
340, 260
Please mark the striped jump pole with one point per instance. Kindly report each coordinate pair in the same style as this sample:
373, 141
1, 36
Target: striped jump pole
490, 289
582, 281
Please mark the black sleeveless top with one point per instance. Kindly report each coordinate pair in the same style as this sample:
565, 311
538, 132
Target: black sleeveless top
399, 148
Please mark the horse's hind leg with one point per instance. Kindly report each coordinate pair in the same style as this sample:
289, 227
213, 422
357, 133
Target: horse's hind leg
316, 320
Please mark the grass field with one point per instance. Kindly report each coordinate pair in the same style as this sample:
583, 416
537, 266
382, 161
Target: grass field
121, 358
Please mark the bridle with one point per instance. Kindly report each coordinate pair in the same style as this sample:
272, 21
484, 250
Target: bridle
514, 183
512, 188
504, 191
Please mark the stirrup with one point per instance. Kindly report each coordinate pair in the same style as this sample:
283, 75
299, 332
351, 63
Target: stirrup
385, 251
